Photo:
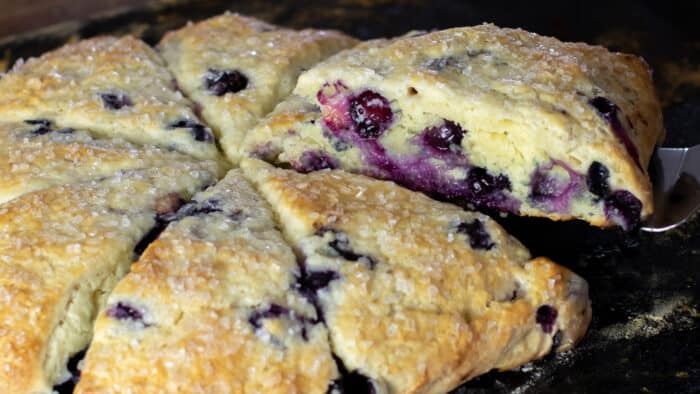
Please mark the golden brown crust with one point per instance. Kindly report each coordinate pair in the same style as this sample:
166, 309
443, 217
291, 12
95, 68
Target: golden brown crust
199, 286
413, 306
62, 249
67, 86
268, 56
35, 157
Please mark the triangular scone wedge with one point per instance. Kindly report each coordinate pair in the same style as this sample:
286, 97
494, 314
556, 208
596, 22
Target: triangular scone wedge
502, 118
210, 308
37, 155
117, 87
419, 295
237, 68
62, 250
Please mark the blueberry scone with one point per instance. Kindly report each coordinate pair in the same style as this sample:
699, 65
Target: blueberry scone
237, 68
209, 308
417, 295
117, 87
62, 250
36, 155
500, 118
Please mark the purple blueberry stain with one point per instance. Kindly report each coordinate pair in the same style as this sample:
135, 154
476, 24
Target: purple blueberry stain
199, 131
116, 101
479, 238
610, 112
554, 185
597, 179
623, 208
444, 137
546, 316
221, 82
124, 311
310, 161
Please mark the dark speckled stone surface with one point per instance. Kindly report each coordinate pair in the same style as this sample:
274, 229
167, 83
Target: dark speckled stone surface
645, 335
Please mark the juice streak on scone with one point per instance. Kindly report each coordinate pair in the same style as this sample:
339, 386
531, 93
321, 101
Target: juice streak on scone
418, 296
116, 87
210, 308
35, 155
502, 118
62, 250
237, 68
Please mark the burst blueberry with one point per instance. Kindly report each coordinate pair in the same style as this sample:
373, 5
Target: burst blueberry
443, 137
486, 190
43, 126
610, 112
370, 113
198, 130
310, 161
623, 208
312, 282
124, 311
221, 82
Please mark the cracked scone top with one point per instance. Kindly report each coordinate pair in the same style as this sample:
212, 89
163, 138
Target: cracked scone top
502, 118
115, 87
210, 308
36, 155
62, 250
237, 68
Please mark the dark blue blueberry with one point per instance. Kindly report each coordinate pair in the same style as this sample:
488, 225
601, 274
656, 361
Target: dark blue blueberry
444, 136
609, 111
479, 238
220, 82
341, 245
310, 161
546, 316
124, 311
198, 130
116, 101
68, 386
597, 179
275, 311
43, 126
371, 114
311, 282
484, 189
623, 208
350, 382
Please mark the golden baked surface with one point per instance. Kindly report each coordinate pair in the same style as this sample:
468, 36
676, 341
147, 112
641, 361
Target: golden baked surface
562, 130
62, 250
237, 68
209, 308
37, 156
418, 295
116, 87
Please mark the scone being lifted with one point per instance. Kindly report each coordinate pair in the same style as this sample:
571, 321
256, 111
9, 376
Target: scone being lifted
114, 87
237, 68
502, 118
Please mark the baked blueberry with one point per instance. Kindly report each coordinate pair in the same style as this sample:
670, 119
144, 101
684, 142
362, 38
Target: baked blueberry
199, 131
479, 238
546, 316
43, 126
597, 179
610, 112
310, 161
221, 82
116, 101
623, 208
444, 137
370, 113
124, 311
486, 190
68, 386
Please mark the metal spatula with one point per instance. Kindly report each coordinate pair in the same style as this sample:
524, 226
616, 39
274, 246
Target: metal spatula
676, 187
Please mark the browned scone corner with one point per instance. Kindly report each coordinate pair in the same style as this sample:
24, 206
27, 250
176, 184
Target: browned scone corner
418, 295
237, 68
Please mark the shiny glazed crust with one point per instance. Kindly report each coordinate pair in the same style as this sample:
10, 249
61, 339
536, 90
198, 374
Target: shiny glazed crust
62, 250
414, 306
270, 57
66, 86
524, 101
199, 287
